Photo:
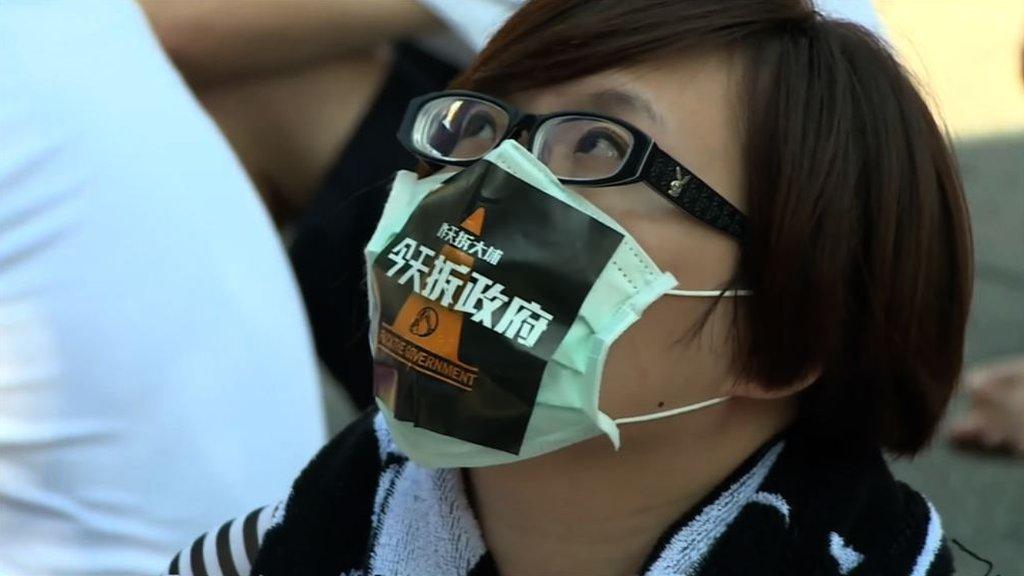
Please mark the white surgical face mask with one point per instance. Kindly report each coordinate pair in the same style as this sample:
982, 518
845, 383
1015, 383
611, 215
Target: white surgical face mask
495, 295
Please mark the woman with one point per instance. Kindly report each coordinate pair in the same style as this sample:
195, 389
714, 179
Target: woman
704, 262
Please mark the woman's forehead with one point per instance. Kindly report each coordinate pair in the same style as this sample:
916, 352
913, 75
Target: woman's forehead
659, 97
612, 92
688, 105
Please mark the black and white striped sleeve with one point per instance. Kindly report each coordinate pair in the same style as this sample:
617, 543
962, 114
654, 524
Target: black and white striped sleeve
229, 550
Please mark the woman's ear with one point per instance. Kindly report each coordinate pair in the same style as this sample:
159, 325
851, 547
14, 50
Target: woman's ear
756, 391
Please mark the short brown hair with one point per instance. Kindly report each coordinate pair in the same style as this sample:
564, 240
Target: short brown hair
858, 250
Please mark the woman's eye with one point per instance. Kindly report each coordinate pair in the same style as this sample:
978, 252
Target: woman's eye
601, 143
478, 126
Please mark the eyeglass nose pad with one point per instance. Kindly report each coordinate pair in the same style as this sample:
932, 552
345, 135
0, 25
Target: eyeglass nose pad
523, 129
520, 134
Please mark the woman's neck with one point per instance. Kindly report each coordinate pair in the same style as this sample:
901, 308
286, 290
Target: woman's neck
590, 510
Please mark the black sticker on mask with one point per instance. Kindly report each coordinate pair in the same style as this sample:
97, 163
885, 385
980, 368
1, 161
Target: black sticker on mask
476, 292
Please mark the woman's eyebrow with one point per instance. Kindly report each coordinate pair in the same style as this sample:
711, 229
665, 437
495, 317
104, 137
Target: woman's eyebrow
617, 99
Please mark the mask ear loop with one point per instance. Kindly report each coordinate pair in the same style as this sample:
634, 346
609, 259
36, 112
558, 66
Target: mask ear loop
710, 293
673, 412
699, 405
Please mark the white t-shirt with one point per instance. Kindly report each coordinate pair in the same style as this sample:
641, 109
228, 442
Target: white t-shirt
156, 370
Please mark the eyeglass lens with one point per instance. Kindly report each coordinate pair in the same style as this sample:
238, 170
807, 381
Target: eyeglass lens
454, 128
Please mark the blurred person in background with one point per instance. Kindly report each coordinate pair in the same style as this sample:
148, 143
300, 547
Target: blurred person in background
995, 417
310, 93
730, 255
156, 369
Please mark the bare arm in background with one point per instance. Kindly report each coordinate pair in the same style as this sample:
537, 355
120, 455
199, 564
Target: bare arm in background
218, 41
286, 80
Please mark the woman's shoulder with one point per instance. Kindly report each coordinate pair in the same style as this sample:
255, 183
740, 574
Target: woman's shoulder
339, 482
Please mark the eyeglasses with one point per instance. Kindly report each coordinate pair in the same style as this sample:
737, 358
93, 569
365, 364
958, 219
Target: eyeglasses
457, 128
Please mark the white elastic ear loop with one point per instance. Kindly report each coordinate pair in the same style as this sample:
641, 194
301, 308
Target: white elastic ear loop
710, 293
672, 412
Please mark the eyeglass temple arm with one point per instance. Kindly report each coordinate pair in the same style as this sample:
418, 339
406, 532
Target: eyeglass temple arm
683, 188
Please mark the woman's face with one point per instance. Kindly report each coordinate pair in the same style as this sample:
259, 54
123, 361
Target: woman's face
688, 106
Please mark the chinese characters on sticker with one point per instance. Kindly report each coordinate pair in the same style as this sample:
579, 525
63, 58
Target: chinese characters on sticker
459, 288
468, 243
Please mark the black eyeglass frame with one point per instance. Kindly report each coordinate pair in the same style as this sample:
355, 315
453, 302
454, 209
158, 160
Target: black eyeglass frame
646, 162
